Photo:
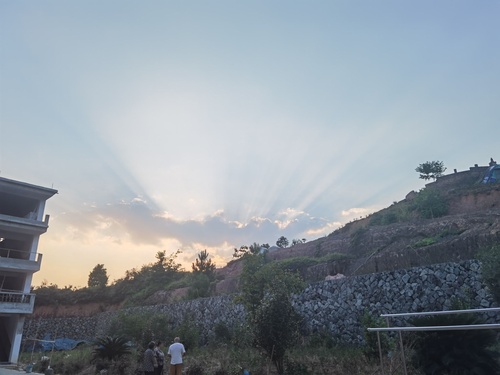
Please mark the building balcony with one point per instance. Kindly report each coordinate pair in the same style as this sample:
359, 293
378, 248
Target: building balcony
18, 261
12, 302
23, 225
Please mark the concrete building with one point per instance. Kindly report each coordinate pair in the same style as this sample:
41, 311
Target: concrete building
22, 222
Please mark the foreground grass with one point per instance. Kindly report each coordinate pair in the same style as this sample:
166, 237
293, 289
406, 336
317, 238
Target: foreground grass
224, 360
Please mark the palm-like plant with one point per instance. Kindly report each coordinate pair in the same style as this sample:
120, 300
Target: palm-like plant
110, 348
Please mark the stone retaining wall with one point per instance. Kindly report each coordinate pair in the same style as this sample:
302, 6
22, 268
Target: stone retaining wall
335, 307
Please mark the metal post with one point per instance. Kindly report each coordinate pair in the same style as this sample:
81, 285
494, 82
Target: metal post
380, 353
402, 352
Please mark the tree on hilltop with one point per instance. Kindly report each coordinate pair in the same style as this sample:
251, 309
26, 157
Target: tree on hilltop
253, 249
203, 264
431, 169
98, 277
282, 242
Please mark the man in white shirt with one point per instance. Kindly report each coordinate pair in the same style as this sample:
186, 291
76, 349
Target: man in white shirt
176, 351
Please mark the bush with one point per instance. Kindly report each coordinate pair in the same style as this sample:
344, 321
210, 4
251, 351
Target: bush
321, 339
110, 348
63, 362
293, 367
425, 242
454, 352
188, 333
430, 204
357, 236
371, 339
384, 219
141, 327
222, 333
195, 369
490, 259
241, 336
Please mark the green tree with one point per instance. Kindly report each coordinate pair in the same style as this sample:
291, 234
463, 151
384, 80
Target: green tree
258, 278
276, 324
242, 251
282, 242
253, 249
138, 285
141, 327
201, 286
265, 293
203, 264
202, 277
431, 169
167, 264
98, 277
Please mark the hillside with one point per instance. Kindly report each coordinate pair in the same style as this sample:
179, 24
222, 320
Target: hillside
369, 245
397, 237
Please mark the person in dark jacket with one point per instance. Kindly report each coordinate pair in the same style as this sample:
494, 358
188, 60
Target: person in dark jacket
160, 359
149, 362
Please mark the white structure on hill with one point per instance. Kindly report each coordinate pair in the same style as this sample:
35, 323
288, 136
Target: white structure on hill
21, 224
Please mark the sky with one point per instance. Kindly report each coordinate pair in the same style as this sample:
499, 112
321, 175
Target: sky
208, 125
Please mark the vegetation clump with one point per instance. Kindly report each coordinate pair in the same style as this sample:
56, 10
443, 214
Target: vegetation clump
454, 352
490, 269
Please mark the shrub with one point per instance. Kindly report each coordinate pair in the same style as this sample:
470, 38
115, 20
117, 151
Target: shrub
384, 218
321, 339
111, 347
430, 204
241, 336
222, 332
188, 332
141, 327
425, 242
357, 236
297, 263
293, 367
490, 271
371, 339
195, 369
454, 352
276, 326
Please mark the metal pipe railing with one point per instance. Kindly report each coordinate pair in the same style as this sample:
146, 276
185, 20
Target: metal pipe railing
429, 328
15, 254
446, 312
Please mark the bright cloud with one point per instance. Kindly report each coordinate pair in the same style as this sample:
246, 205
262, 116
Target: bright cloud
165, 129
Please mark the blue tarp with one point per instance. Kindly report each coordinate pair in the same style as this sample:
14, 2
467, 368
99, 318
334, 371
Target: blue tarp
59, 344
493, 175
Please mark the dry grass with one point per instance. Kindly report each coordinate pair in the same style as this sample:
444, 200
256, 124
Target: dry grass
230, 361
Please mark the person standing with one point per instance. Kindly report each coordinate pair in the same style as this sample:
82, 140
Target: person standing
160, 359
176, 351
148, 364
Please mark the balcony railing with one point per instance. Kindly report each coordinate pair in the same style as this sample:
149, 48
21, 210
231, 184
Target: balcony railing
15, 254
16, 302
